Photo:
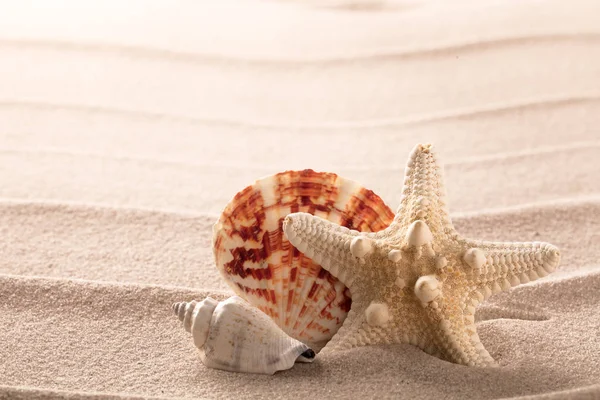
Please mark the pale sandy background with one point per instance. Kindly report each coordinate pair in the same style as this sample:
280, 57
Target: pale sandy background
126, 126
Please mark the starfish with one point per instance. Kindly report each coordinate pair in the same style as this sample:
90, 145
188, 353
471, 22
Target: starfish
418, 281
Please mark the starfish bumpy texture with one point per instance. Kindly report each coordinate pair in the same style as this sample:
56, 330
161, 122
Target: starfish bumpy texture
418, 281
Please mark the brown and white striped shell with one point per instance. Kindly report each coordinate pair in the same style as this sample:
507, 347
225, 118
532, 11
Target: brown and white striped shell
261, 265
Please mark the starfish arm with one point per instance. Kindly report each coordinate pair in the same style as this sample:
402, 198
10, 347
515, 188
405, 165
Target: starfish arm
455, 335
325, 243
423, 195
350, 335
494, 267
357, 331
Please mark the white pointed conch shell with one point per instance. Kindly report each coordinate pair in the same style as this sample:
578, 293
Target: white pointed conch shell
234, 336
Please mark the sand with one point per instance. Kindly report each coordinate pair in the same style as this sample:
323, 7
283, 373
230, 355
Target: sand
125, 129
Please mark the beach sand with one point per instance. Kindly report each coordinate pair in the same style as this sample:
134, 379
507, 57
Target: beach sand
126, 128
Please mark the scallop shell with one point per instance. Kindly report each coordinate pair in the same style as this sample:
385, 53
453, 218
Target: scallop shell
234, 336
260, 264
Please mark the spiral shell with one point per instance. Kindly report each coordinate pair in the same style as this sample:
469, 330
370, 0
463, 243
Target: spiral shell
234, 336
260, 264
